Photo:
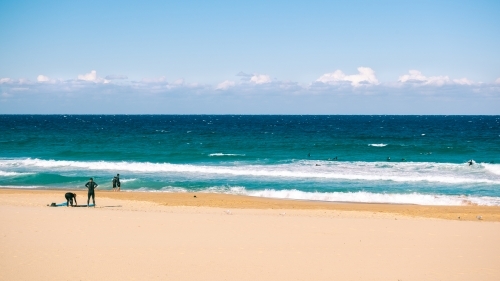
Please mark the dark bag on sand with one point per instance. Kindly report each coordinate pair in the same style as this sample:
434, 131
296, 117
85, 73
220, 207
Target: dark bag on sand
53, 205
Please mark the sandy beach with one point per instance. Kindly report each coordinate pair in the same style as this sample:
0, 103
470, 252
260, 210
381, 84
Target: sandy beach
176, 236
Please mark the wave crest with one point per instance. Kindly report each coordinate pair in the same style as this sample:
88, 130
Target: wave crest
378, 144
305, 169
225, 154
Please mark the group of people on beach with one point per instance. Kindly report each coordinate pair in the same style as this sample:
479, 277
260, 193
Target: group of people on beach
91, 185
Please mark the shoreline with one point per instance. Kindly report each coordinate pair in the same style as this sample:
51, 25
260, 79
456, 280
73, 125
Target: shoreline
230, 201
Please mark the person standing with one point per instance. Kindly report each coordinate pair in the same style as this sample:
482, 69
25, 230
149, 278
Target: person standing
116, 183
91, 185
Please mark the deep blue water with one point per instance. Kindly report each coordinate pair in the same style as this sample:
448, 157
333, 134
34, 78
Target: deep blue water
338, 158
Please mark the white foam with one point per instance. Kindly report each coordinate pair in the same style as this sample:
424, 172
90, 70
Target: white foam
173, 189
13, 174
21, 186
378, 144
361, 171
127, 180
163, 189
213, 189
355, 197
239, 190
492, 168
225, 154
367, 197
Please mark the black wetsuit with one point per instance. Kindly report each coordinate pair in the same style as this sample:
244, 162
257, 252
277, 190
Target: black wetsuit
116, 182
91, 185
69, 198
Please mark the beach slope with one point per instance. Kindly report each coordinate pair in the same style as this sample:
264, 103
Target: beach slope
130, 239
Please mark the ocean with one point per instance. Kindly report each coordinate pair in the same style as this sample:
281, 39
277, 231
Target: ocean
381, 159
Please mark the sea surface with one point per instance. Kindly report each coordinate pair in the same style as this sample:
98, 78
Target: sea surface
392, 159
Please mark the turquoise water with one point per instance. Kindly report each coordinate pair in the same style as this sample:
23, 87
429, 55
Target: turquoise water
333, 158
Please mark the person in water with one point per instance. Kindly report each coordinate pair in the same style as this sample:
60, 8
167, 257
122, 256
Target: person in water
91, 185
116, 183
471, 162
69, 198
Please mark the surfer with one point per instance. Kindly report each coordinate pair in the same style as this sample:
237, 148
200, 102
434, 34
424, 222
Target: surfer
91, 185
116, 182
69, 199
470, 162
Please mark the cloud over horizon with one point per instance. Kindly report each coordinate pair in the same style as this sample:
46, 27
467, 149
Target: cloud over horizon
42, 78
365, 76
225, 85
260, 79
411, 88
417, 77
92, 77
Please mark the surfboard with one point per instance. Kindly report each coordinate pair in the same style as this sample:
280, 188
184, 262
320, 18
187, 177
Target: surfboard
64, 204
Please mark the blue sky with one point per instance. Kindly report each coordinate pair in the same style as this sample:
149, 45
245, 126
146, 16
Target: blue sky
250, 57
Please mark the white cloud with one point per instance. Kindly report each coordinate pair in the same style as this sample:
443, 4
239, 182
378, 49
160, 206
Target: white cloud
463, 81
343, 91
20, 81
225, 85
366, 75
92, 76
416, 76
260, 79
42, 78
438, 80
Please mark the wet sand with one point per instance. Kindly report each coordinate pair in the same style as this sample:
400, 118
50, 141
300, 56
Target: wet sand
469, 212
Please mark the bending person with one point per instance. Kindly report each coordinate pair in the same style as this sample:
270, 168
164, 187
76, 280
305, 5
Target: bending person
69, 198
91, 185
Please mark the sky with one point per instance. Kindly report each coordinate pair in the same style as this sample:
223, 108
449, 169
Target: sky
250, 57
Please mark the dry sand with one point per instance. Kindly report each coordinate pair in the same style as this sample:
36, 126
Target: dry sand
162, 236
